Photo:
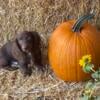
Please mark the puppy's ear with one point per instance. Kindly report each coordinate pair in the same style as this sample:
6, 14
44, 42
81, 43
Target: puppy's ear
17, 43
36, 37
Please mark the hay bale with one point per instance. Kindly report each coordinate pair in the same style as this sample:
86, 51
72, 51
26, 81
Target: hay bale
42, 16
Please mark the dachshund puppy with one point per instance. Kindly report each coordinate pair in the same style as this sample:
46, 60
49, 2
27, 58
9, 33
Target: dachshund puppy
21, 52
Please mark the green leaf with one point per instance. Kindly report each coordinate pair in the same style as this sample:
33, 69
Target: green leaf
97, 98
89, 85
87, 69
96, 75
85, 97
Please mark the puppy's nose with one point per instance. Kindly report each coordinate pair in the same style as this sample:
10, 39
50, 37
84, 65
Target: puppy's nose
24, 47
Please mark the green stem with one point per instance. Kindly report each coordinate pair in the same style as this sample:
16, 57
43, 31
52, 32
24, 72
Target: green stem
79, 23
93, 70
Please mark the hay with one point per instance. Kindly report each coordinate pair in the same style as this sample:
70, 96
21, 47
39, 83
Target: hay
42, 16
44, 86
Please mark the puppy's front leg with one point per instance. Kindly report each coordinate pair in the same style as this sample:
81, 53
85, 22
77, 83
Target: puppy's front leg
37, 59
25, 70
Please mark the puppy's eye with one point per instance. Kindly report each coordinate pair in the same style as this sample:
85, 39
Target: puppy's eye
29, 38
20, 38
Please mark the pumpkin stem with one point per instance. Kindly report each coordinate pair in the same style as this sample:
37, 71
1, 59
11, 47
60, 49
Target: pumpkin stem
79, 23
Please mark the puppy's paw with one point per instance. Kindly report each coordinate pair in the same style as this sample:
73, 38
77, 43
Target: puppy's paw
27, 72
41, 67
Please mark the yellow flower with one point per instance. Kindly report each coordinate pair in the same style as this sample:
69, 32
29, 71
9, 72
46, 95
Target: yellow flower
85, 60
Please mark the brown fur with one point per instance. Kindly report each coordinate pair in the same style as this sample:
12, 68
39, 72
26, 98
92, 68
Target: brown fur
24, 49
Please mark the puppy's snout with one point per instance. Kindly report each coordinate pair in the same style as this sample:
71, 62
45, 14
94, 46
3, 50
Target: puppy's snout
24, 47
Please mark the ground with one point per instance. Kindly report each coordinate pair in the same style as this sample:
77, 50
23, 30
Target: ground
42, 16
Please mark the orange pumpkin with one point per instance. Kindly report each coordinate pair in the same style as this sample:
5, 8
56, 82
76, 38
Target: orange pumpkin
68, 43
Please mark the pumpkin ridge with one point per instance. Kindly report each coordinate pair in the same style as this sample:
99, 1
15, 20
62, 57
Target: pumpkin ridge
90, 41
52, 52
67, 46
74, 55
76, 59
86, 38
60, 56
90, 47
80, 53
68, 58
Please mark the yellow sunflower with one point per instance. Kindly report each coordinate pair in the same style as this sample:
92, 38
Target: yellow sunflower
85, 60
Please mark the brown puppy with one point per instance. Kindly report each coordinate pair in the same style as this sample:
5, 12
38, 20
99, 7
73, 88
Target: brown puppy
21, 51
30, 43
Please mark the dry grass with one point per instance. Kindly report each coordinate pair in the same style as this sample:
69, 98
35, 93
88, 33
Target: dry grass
42, 16
38, 87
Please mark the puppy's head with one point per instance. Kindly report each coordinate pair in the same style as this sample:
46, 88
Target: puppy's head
26, 40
